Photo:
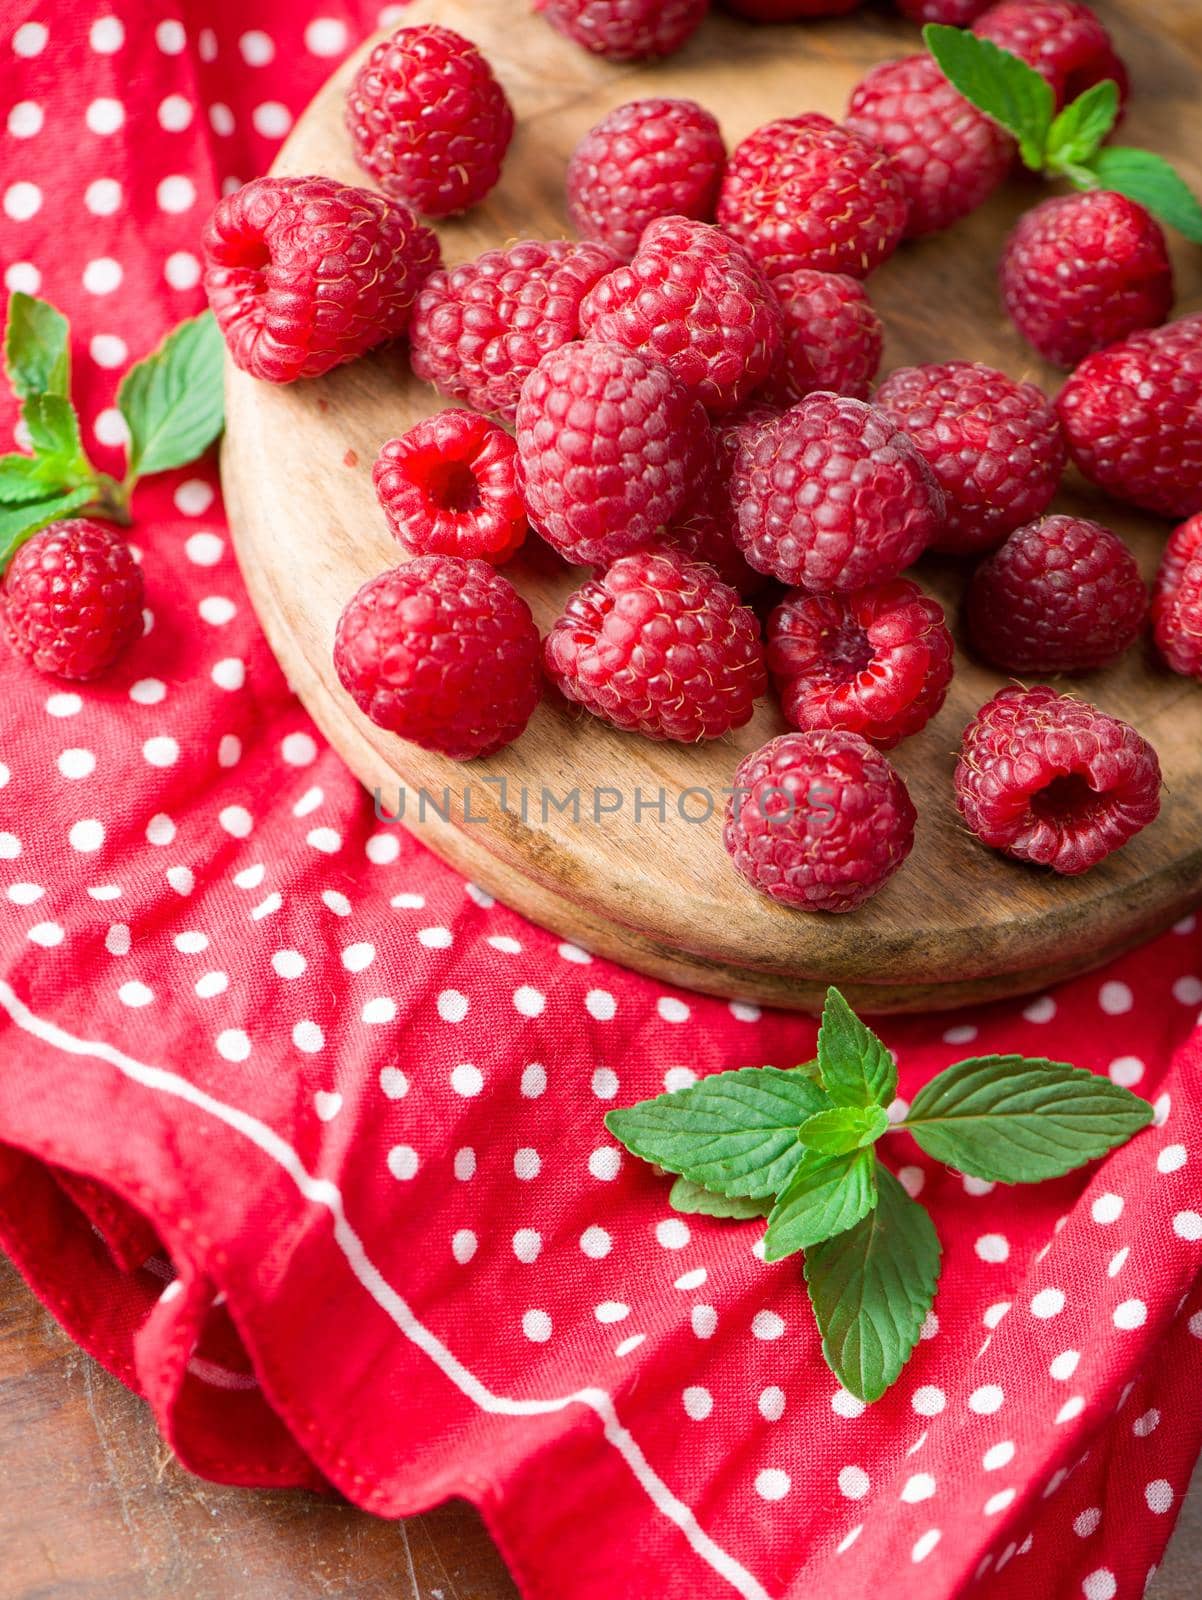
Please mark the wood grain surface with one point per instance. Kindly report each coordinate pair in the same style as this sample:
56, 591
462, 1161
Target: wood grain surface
958, 923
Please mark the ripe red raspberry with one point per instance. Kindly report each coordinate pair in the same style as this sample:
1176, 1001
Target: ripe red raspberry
819, 820
613, 450
442, 652
805, 193
626, 30
950, 156
1132, 415
646, 160
480, 329
660, 647
1063, 40
449, 488
832, 496
877, 662
994, 445
1054, 781
694, 301
71, 600
833, 338
1063, 595
953, 13
1177, 604
1083, 271
306, 273
790, 10
428, 120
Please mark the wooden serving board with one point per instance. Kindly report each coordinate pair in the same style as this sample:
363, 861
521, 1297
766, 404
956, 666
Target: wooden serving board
958, 923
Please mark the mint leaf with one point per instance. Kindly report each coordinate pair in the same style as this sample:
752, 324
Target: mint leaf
855, 1067
54, 433
997, 83
18, 523
843, 1128
1151, 182
1013, 1120
36, 349
826, 1195
24, 478
734, 1133
173, 402
1077, 132
871, 1289
694, 1201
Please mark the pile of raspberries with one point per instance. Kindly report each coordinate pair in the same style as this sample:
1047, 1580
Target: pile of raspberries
682, 402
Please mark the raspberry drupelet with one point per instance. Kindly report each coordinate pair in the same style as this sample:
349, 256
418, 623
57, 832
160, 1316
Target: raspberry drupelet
71, 599
1063, 40
833, 337
449, 488
1054, 781
1177, 604
877, 662
819, 821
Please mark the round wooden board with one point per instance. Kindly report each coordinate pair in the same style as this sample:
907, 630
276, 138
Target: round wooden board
958, 924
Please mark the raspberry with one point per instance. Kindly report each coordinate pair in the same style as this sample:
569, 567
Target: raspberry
449, 488
833, 338
646, 160
790, 10
876, 662
306, 273
660, 647
804, 193
950, 156
832, 496
1177, 604
613, 450
1054, 781
994, 445
626, 30
442, 652
953, 13
1063, 40
479, 329
708, 532
71, 601
1083, 271
428, 120
1132, 415
818, 820
1063, 595
694, 301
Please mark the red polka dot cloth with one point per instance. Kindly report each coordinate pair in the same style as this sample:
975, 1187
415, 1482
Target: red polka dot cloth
301, 1135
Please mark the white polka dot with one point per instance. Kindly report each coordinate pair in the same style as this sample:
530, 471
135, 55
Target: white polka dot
300, 750
107, 350
216, 610
527, 1245
998, 1456
536, 1325
600, 1005
993, 1247
849, 1539
394, 1083
999, 1502
382, 848
574, 954
46, 934
212, 984
611, 1311
767, 1325
236, 820
107, 35
847, 1405
928, 1401
529, 1002
175, 194
534, 1081
1071, 1409
911, 1180
527, 1164
102, 197
924, 1545
221, 119
336, 902
25, 894
170, 37
22, 200
1188, 1225
229, 674
465, 1164
467, 1080
271, 120
504, 944
605, 1083
1041, 1010
379, 1011
1159, 1496
308, 1036
250, 877
181, 879
182, 271
358, 957
403, 1162
964, 1034
1065, 1364
206, 44
772, 1403
117, 939
1100, 1585
102, 276
30, 39
481, 896
1115, 998
257, 48
1107, 1208
137, 995
1126, 1071
77, 764
191, 943
10, 846
148, 692
104, 116
1087, 1522
1146, 1424
672, 1009
233, 1044
1047, 1303
1161, 1107
111, 429
743, 1011
289, 963
463, 1246
326, 36
772, 1484
193, 498
679, 1078
175, 113
987, 1399
704, 1321
673, 1233
1172, 1158
87, 836
64, 705
596, 1243
1130, 1314
25, 119
22, 277
312, 800
161, 751
452, 1005
853, 1482
918, 1488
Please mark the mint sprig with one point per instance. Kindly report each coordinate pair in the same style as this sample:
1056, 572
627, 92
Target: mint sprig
1071, 144
172, 403
800, 1147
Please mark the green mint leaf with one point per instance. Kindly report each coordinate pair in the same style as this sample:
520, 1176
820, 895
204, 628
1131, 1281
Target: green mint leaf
1151, 182
843, 1128
1078, 131
1013, 1120
999, 84
871, 1289
54, 433
734, 1133
826, 1195
37, 353
173, 402
694, 1201
855, 1067
25, 478
18, 523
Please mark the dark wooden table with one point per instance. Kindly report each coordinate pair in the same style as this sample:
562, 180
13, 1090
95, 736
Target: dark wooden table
94, 1507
